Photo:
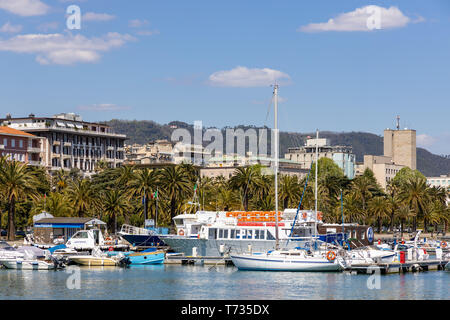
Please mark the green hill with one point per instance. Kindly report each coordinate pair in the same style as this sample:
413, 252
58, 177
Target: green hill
363, 143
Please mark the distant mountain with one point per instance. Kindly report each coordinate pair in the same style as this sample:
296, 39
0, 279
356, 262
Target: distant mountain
363, 143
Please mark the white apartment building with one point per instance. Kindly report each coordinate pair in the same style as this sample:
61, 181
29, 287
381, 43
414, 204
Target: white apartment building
71, 142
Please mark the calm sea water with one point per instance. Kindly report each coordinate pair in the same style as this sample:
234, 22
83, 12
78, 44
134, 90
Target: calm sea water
199, 282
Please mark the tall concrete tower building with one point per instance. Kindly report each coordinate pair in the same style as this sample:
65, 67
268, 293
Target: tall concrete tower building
400, 145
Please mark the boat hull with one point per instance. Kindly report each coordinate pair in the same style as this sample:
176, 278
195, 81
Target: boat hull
93, 261
267, 263
156, 257
27, 264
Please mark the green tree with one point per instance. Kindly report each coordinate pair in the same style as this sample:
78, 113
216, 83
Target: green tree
17, 183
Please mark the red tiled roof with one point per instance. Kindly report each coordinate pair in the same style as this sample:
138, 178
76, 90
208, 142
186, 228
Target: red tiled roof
8, 130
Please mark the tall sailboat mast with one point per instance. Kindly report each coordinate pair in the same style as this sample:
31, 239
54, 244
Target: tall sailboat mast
275, 93
315, 193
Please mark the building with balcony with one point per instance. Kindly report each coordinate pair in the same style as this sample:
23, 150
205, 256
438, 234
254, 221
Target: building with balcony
69, 142
20, 146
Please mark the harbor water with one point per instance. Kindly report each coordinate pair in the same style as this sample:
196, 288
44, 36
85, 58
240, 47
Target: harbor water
176, 282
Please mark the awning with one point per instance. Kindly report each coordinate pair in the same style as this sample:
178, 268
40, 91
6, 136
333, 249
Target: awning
70, 125
60, 124
79, 126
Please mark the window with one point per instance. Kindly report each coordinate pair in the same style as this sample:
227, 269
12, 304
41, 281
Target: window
220, 234
233, 234
13, 143
81, 235
225, 234
212, 233
270, 236
21, 143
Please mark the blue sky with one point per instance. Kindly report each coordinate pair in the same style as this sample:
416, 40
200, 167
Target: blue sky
214, 61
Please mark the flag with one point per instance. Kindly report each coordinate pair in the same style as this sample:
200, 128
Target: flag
195, 189
154, 195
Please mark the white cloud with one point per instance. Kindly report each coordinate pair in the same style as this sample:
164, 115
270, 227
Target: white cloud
136, 23
367, 18
424, 140
92, 16
24, 8
9, 28
245, 77
64, 49
438, 144
103, 107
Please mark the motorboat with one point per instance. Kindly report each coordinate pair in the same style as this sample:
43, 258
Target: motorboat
30, 258
369, 255
98, 258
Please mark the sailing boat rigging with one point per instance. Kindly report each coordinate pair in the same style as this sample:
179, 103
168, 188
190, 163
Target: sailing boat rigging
292, 259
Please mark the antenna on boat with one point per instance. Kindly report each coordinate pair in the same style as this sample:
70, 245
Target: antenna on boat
275, 94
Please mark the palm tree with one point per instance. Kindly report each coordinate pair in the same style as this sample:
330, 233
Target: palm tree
175, 185
143, 183
16, 183
414, 194
403, 213
61, 180
81, 196
114, 203
289, 192
379, 208
55, 204
243, 180
125, 175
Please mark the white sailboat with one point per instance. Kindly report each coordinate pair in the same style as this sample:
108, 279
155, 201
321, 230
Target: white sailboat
293, 259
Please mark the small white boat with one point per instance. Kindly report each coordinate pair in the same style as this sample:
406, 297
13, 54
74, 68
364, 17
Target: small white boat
369, 255
98, 258
288, 260
27, 258
447, 266
28, 264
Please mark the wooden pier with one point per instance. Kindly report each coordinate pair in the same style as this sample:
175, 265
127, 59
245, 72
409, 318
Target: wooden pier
397, 267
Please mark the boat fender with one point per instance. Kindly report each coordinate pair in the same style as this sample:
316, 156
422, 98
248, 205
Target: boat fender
181, 232
331, 255
110, 248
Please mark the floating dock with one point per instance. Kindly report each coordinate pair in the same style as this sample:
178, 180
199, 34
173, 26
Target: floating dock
190, 260
397, 267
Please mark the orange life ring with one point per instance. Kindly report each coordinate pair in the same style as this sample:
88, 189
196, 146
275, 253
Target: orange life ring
304, 215
108, 239
319, 216
331, 255
181, 232
444, 244
110, 248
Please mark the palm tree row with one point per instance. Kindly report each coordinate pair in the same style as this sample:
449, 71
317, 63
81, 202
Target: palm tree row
129, 195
